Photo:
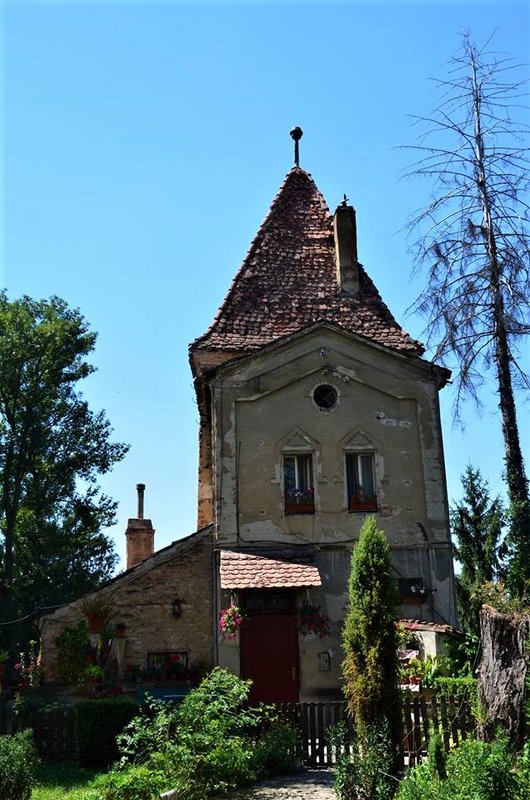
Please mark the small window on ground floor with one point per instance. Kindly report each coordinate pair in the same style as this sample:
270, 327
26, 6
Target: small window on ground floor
360, 476
298, 484
172, 664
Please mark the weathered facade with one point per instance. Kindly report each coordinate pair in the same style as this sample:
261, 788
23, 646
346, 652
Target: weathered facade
316, 409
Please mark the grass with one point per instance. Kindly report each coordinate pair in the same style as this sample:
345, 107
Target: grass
63, 781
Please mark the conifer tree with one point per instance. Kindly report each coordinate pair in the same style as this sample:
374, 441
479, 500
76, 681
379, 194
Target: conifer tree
476, 527
370, 666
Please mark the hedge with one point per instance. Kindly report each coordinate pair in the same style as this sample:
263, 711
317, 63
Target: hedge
97, 723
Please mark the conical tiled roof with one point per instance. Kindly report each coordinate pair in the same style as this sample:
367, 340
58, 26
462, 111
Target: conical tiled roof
288, 280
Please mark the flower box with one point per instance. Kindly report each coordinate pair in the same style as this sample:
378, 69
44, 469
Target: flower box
299, 508
363, 506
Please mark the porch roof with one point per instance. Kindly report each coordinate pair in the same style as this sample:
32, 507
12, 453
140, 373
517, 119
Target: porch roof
269, 568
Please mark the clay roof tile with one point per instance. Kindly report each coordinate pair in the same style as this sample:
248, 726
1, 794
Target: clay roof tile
288, 281
268, 568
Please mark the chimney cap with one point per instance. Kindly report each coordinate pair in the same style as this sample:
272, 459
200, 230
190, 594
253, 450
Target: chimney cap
140, 488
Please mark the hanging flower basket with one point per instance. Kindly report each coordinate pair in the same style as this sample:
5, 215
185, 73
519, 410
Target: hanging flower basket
230, 621
310, 620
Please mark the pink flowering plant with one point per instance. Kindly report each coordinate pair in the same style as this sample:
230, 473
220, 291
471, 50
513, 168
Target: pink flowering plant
230, 620
298, 497
29, 666
310, 620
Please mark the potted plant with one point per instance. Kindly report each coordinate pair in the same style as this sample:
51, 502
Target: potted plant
93, 674
97, 610
300, 501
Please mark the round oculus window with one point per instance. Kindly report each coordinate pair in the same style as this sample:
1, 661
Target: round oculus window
325, 396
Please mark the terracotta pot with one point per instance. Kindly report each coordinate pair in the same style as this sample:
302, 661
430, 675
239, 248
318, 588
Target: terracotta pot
95, 624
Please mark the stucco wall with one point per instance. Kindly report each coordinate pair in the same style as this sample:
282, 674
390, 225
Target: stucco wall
263, 408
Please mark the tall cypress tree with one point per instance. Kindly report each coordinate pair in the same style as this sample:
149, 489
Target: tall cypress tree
370, 666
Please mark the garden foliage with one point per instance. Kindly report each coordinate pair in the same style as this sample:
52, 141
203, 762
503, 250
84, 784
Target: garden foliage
208, 745
478, 770
72, 644
18, 761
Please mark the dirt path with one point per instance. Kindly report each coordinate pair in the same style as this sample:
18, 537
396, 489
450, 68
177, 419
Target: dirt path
311, 784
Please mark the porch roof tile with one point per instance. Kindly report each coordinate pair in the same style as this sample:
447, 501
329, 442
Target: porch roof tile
267, 568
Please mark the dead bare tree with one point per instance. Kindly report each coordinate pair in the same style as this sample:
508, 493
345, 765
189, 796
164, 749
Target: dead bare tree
473, 239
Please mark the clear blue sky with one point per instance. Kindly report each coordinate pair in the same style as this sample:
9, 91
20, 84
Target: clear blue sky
142, 146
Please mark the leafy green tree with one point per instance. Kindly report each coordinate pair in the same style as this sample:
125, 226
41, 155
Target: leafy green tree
52, 450
370, 666
473, 239
477, 530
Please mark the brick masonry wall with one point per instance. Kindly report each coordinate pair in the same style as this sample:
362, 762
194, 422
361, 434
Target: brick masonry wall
145, 604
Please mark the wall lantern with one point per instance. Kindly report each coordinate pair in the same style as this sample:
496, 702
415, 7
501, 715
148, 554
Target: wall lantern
177, 607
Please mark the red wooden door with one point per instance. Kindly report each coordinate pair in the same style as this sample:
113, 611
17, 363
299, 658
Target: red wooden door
269, 657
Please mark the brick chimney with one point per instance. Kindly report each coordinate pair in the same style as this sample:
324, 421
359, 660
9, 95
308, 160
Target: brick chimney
140, 533
345, 232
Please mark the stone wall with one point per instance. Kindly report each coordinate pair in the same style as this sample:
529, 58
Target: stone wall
142, 598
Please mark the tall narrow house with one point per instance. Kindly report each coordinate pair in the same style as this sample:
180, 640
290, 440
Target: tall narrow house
316, 409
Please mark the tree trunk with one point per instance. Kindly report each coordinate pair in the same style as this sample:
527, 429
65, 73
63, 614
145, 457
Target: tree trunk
502, 674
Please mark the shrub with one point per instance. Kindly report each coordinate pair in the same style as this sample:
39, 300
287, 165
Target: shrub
420, 783
97, 724
458, 687
148, 732
277, 750
523, 773
133, 783
481, 770
366, 771
208, 745
72, 644
18, 760
478, 770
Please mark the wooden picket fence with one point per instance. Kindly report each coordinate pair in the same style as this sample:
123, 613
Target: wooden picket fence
53, 729
450, 716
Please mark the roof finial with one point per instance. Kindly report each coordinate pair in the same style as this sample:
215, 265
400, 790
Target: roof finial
296, 134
